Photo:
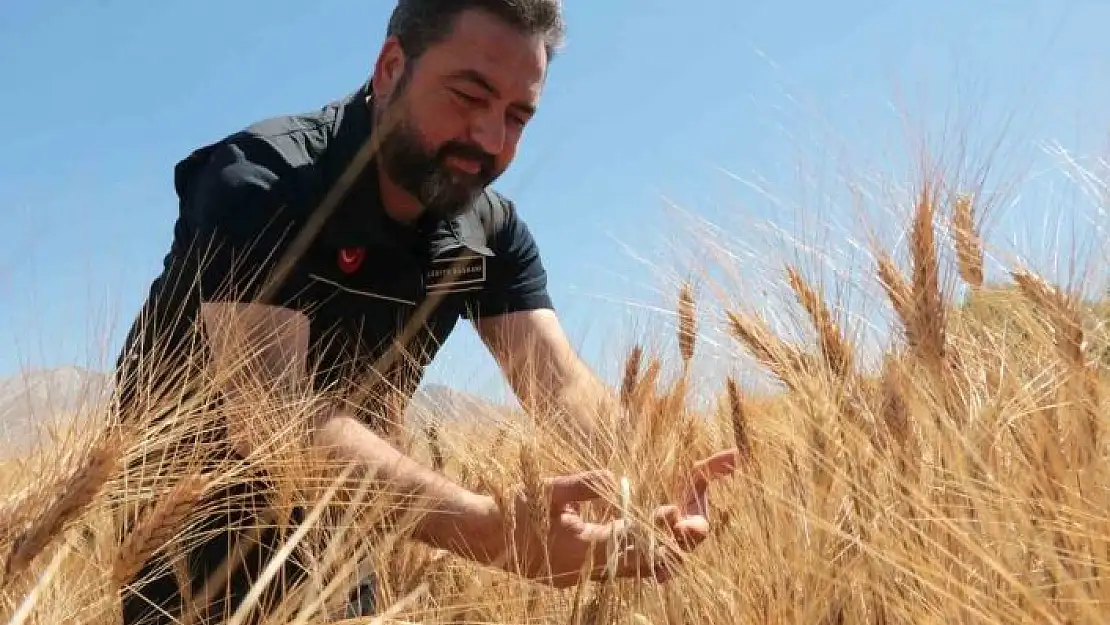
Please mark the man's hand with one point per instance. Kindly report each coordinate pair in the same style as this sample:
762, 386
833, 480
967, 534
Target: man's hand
574, 546
688, 521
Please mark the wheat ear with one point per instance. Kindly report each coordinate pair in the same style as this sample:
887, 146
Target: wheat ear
631, 377
737, 411
1061, 312
926, 331
157, 528
77, 494
834, 346
783, 360
969, 244
687, 323
896, 288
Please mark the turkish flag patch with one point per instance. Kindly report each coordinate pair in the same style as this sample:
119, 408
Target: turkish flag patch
350, 258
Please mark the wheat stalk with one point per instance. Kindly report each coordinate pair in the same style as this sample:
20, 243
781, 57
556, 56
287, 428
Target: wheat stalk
833, 344
896, 288
1061, 312
969, 245
783, 360
926, 331
77, 494
157, 528
631, 377
687, 323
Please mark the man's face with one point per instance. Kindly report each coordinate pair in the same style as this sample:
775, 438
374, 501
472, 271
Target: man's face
459, 111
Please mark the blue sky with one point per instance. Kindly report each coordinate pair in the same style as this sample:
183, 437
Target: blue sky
652, 103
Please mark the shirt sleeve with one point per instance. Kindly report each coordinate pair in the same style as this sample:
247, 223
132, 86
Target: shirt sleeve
516, 278
226, 240
232, 232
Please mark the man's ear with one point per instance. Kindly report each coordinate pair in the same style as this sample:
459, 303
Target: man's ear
388, 69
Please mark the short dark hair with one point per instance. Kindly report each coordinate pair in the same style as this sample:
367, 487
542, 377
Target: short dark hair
420, 24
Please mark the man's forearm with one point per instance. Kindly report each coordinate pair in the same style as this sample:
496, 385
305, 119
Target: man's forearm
451, 517
591, 407
258, 348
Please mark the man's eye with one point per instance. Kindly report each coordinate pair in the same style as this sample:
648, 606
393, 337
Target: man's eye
465, 97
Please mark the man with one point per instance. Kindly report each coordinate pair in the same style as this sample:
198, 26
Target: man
367, 230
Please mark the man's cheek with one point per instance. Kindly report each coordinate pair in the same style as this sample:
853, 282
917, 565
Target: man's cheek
442, 127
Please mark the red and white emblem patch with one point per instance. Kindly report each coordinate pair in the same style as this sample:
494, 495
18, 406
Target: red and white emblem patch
350, 258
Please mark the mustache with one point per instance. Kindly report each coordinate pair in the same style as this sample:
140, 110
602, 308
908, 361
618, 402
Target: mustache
467, 151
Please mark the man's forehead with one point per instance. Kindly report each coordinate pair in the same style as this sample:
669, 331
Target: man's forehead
484, 47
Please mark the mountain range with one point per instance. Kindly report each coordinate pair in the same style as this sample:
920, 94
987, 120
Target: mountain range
33, 402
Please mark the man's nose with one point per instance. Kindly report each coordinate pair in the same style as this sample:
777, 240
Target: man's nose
488, 131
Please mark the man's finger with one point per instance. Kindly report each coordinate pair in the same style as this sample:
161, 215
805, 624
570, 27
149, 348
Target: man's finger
704, 471
691, 531
598, 534
667, 516
580, 487
686, 529
694, 498
718, 465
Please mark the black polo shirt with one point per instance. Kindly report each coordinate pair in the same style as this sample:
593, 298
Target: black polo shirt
361, 278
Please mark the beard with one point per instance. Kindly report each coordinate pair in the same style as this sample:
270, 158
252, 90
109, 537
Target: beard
424, 173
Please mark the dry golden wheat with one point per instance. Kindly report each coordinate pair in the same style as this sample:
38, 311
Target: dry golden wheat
833, 344
784, 360
897, 290
157, 528
926, 331
960, 480
73, 498
969, 245
687, 323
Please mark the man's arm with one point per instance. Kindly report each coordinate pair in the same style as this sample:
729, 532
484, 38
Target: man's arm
451, 517
515, 317
261, 349
549, 378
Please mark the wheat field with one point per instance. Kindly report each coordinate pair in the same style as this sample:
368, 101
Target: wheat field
958, 479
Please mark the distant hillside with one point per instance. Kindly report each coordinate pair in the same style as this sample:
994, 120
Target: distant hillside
443, 403
34, 400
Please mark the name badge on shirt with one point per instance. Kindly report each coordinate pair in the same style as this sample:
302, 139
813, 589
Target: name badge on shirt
459, 274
